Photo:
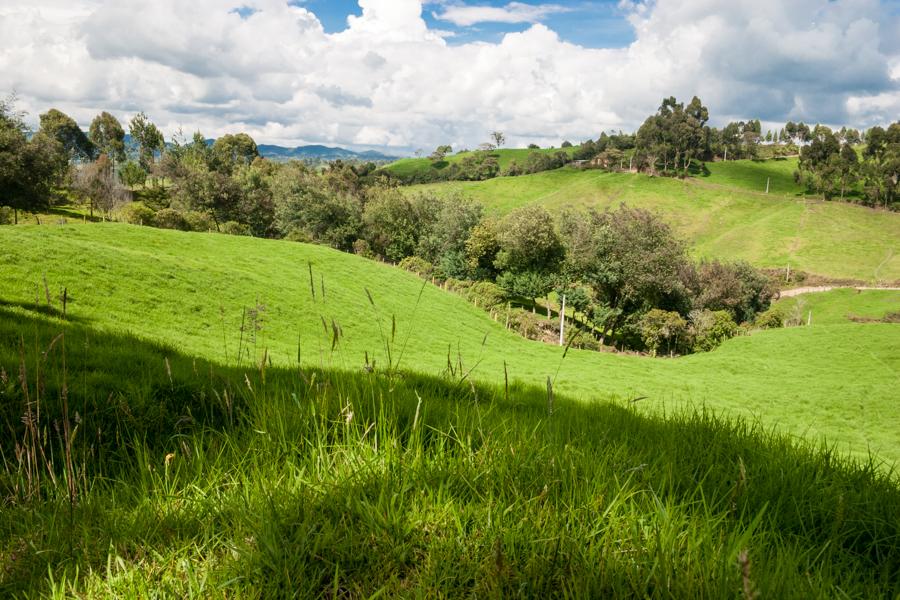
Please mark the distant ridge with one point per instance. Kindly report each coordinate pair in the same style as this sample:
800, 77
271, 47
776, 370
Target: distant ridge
314, 152
318, 152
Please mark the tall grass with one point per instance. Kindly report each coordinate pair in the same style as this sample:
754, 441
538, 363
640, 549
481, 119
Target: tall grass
202, 480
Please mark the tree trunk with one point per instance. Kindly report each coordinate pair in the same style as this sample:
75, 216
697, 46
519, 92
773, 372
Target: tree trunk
15, 216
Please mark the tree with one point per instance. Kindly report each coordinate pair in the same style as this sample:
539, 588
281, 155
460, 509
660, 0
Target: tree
498, 138
108, 137
566, 144
307, 210
440, 153
631, 260
676, 134
662, 329
392, 224
148, 139
482, 248
230, 151
27, 167
96, 181
132, 175
61, 127
529, 242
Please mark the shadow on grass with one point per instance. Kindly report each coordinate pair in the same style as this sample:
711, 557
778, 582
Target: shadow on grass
479, 447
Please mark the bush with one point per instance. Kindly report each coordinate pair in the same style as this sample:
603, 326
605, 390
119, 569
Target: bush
137, 213
710, 328
488, 295
169, 218
6, 215
526, 324
419, 266
362, 248
663, 330
235, 228
199, 221
771, 319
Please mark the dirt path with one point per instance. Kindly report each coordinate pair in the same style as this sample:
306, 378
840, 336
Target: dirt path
827, 288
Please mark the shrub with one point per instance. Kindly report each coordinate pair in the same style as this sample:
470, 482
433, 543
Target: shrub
169, 218
199, 221
663, 330
488, 295
771, 319
235, 228
417, 265
137, 213
711, 328
526, 324
6, 215
362, 248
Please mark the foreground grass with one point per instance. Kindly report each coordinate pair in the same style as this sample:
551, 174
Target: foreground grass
190, 479
720, 216
233, 300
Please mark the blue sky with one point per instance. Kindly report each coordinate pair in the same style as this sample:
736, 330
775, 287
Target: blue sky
593, 24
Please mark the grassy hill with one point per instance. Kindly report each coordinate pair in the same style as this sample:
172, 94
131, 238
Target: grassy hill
725, 215
194, 291
181, 470
407, 167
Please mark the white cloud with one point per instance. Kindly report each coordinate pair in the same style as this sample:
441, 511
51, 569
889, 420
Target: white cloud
389, 80
514, 12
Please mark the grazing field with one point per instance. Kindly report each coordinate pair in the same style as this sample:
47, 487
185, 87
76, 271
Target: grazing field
194, 291
838, 306
407, 167
751, 175
719, 216
179, 478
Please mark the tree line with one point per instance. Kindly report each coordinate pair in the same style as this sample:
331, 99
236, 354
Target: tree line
624, 273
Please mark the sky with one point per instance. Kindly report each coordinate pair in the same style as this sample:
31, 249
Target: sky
403, 75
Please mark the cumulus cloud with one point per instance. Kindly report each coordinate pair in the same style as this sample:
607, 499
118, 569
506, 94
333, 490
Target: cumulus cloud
268, 67
514, 12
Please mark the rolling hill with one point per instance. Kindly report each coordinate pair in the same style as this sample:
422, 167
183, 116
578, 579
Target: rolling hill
212, 296
724, 215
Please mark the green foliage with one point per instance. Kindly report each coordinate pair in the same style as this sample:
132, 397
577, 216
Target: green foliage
710, 329
770, 319
169, 218
27, 167
232, 150
235, 228
663, 330
132, 174
304, 207
61, 127
529, 242
392, 224
198, 221
482, 248
108, 137
630, 259
419, 266
137, 213
735, 287
674, 136
148, 138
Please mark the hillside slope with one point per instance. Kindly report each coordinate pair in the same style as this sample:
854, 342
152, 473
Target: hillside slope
195, 290
720, 216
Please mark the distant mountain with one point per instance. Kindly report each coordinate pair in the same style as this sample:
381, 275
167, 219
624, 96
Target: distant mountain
321, 153
281, 153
